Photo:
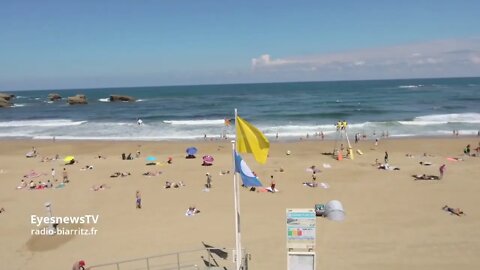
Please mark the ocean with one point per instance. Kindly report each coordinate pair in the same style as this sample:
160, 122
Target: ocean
401, 108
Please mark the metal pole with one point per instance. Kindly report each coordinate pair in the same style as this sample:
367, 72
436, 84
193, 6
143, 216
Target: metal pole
48, 205
238, 244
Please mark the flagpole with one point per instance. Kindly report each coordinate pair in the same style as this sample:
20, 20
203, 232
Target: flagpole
236, 195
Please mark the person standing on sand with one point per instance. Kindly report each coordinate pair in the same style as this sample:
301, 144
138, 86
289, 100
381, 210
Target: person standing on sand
53, 174
138, 197
442, 170
386, 157
272, 184
65, 176
209, 181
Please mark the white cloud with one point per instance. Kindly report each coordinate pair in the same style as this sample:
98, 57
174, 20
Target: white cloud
433, 58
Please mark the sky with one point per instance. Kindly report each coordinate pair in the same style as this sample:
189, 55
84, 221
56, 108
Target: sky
93, 44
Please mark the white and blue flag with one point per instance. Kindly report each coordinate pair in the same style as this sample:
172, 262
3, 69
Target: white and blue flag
248, 178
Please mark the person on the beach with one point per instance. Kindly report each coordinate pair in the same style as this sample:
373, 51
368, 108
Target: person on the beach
376, 141
272, 183
99, 187
138, 197
139, 122
314, 179
386, 157
53, 174
442, 170
209, 181
23, 184
80, 265
65, 176
454, 211
466, 151
2, 210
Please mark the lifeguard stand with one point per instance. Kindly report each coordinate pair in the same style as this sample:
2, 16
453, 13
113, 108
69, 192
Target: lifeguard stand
339, 152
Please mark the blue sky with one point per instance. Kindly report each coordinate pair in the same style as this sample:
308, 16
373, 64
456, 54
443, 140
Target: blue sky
87, 44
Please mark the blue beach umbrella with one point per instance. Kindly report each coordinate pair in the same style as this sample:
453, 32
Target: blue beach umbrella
151, 158
191, 151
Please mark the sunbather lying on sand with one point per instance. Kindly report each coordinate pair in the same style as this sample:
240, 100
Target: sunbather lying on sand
99, 187
22, 185
388, 167
223, 172
2, 210
310, 184
425, 177
47, 159
117, 174
152, 173
191, 211
425, 163
453, 211
87, 167
33, 174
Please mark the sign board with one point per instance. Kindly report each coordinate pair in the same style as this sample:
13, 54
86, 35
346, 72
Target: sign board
301, 261
301, 225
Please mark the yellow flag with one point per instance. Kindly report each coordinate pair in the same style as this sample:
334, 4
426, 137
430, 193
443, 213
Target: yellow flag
251, 140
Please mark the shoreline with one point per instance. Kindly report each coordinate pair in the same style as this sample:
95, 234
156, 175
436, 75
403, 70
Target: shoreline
288, 140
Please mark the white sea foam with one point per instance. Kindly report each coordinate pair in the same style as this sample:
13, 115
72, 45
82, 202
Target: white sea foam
422, 123
410, 86
41, 123
196, 122
450, 118
18, 105
104, 99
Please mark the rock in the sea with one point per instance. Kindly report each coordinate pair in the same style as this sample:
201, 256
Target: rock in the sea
78, 99
6, 96
5, 103
54, 97
6, 100
114, 98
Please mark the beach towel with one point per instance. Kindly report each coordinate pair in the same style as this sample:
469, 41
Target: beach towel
33, 174
267, 189
310, 184
61, 185
324, 185
327, 166
359, 152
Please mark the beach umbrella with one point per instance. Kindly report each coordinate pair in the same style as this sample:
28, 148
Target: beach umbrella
151, 158
191, 151
207, 159
68, 159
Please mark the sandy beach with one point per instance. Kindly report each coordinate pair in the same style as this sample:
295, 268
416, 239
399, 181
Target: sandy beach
392, 221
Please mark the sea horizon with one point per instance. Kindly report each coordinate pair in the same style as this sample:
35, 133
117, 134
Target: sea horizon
235, 83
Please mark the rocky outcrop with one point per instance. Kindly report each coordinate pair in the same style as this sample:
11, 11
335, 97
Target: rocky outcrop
114, 98
54, 97
6, 96
78, 99
6, 100
5, 103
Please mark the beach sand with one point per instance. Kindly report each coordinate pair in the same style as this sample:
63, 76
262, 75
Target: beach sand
392, 221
